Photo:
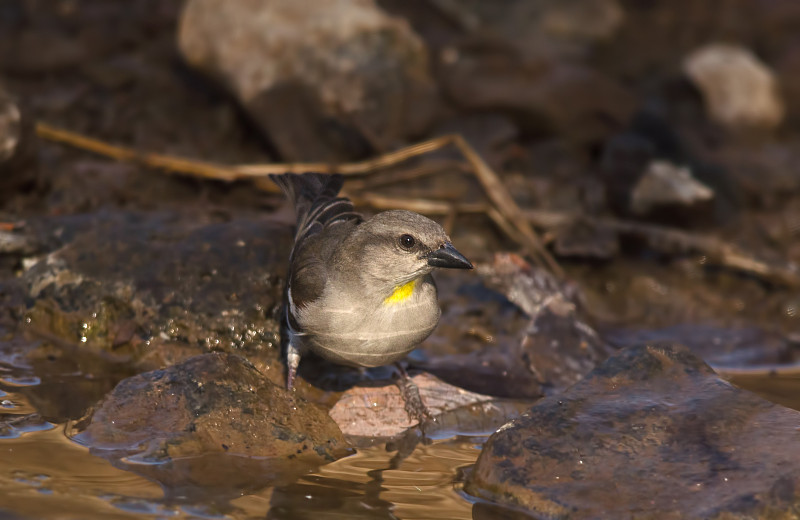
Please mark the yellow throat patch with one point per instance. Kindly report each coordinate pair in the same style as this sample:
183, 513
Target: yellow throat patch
401, 293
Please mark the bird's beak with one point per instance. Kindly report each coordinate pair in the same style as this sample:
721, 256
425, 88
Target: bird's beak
449, 257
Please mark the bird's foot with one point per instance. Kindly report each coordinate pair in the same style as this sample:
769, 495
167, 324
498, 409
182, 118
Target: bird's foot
414, 406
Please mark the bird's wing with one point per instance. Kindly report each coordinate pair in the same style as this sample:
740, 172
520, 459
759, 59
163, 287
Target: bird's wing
318, 208
307, 277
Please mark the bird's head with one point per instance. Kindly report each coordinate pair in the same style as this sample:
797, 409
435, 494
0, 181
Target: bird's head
398, 246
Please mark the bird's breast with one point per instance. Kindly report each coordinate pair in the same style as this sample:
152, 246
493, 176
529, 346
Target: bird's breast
361, 332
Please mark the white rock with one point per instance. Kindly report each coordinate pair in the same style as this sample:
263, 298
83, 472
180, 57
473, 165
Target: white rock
663, 184
739, 90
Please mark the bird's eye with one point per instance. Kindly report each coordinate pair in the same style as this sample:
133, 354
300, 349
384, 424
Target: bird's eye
407, 241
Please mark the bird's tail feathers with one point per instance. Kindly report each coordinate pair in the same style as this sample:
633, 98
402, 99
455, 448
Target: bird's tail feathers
315, 200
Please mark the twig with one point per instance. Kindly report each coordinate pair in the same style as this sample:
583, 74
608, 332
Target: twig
672, 241
356, 168
504, 224
506, 205
430, 207
423, 170
495, 189
169, 163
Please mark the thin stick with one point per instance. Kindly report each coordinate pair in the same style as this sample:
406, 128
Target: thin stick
427, 206
153, 160
668, 240
504, 224
506, 205
405, 175
494, 187
357, 168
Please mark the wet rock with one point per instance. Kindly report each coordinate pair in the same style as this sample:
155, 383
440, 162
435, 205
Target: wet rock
13, 426
555, 350
322, 87
154, 289
740, 91
545, 98
379, 410
212, 403
667, 187
651, 432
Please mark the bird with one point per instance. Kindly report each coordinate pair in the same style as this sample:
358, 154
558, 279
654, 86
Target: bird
359, 291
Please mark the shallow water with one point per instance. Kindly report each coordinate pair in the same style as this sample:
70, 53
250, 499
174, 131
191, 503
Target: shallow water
45, 474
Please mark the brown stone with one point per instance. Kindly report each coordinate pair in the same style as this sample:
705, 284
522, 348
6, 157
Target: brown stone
212, 403
351, 73
651, 433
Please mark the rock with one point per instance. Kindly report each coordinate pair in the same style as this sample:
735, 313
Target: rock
666, 186
652, 432
379, 411
153, 289
556, 349
740, 91
212, 403
545, 98
558, 28
320, 87
16, 144
644, 163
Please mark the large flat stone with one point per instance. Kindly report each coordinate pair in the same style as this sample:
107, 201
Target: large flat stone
651, 433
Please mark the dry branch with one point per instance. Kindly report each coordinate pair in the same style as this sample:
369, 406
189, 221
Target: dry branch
503, 204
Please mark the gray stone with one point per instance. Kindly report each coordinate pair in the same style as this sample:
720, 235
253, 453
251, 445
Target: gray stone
321, 78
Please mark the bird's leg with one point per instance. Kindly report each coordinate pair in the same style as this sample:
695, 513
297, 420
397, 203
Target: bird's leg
292, 362
414, 406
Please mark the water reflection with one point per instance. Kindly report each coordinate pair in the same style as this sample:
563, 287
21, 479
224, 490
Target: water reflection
379, 484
